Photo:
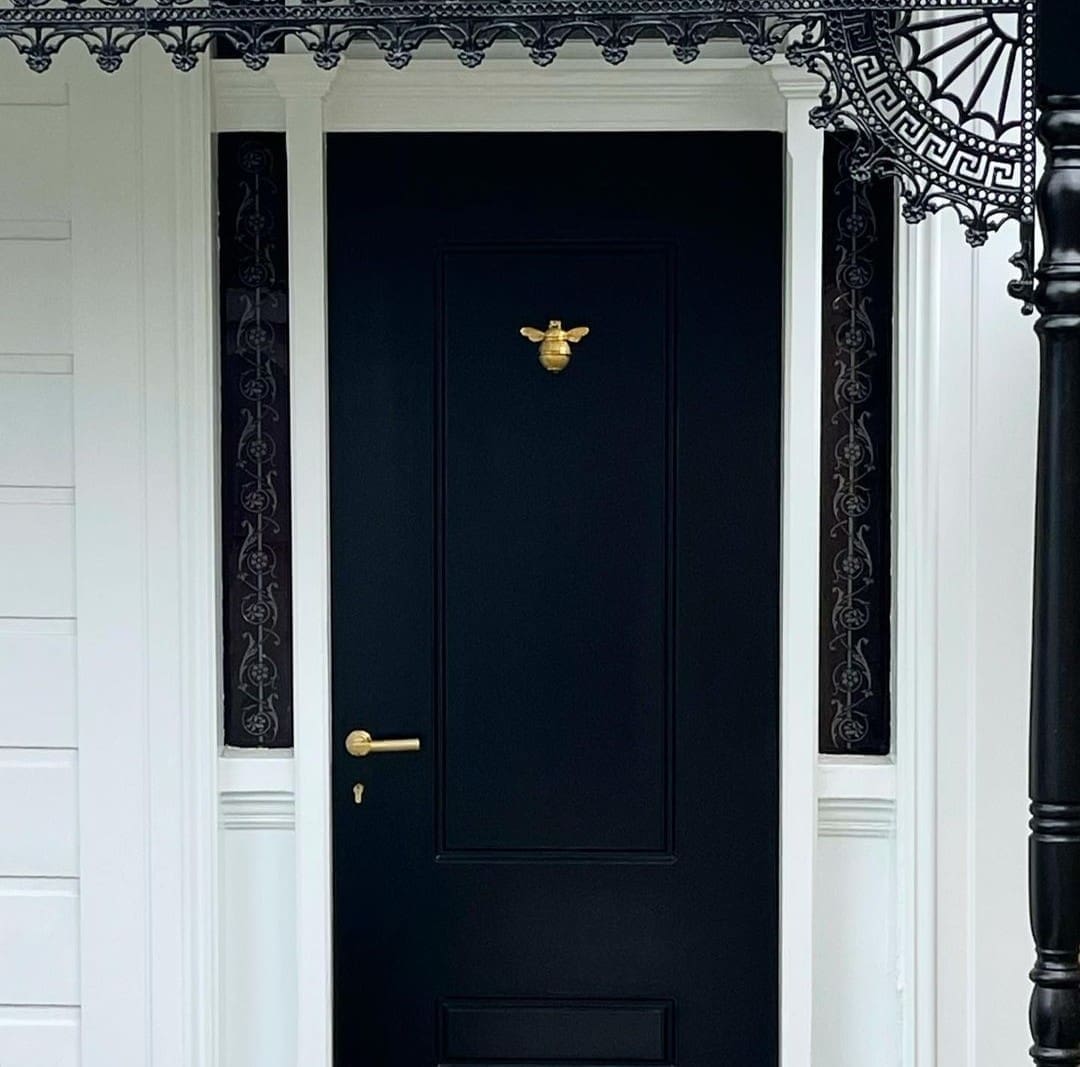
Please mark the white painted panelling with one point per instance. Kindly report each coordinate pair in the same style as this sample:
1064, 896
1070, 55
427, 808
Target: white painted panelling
35, 429
1004, 425
39, 1037
258, 955
35, 299
856, 1004
40, 537
33, 165
39, 937
37, 680
38, 791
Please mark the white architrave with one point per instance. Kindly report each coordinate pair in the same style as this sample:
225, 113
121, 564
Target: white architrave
145, 546
800, 606
303, 86
915, 688
111, 540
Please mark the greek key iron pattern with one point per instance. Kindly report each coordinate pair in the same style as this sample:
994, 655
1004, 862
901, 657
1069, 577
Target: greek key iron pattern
856, 431
255, 442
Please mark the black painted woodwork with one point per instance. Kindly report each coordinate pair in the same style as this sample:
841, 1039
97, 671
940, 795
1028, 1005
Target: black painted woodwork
256, 523
568, 587
855, 650
1055, 687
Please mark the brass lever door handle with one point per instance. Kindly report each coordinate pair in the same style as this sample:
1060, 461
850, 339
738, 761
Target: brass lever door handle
360, 743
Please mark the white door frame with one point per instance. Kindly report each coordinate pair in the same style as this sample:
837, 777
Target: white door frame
577, 93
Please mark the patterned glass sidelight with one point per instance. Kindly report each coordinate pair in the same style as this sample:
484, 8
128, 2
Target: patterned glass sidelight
255, 522
856, 429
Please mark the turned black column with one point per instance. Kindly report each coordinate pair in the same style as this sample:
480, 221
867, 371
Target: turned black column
1054, 863
1055, 687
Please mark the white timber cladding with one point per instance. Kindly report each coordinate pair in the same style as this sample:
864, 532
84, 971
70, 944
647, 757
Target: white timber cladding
39, 857
152, 891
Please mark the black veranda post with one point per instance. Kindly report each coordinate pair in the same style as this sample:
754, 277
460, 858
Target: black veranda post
1055, 667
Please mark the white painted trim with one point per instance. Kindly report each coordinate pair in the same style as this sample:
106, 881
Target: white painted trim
257, 810
144, 384
197, 391
799, 564
515, 94
856, 817
110, 550
915, 690
303, 87
935, 642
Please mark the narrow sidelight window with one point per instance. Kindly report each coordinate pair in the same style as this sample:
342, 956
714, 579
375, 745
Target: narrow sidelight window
255, 523
856, 457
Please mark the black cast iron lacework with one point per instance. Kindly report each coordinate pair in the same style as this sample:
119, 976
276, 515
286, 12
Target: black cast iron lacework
941, 89
855, 457
255, 440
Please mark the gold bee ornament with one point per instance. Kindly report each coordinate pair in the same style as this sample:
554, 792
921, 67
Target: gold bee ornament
554, 343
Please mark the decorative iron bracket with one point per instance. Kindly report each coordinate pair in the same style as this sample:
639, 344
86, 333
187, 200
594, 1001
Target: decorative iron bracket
892, 70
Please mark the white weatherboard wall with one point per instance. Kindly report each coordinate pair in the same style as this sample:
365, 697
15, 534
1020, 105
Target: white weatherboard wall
39, 849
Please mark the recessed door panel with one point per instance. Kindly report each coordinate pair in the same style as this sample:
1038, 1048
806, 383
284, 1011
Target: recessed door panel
553, 1031
556, 522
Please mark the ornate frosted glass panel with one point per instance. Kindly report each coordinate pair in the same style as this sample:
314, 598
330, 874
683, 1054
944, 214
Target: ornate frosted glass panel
856, 461
255, 526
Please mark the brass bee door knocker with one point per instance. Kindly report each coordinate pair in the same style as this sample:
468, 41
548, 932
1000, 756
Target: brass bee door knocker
554, 343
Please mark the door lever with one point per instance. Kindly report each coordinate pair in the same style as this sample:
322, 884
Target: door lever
360, 743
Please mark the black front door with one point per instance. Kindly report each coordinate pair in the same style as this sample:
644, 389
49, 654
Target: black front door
566, 586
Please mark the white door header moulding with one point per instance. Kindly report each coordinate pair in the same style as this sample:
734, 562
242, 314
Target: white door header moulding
511, 94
